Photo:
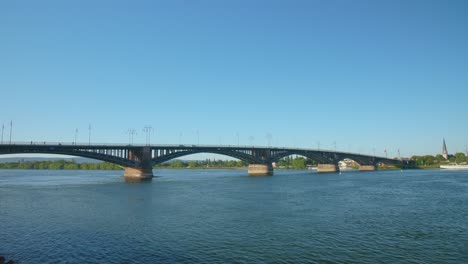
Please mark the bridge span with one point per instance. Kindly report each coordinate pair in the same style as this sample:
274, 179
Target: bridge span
138, 160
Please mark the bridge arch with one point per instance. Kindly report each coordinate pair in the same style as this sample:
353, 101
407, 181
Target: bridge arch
313, 155
186, 152
76, 153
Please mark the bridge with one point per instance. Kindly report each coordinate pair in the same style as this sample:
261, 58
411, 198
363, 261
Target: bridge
138, 160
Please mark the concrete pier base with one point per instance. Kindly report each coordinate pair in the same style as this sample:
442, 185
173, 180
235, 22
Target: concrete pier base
260, 170
321, 168
137, 174
367, 168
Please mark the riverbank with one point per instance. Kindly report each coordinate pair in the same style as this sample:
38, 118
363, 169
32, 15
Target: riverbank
198, 165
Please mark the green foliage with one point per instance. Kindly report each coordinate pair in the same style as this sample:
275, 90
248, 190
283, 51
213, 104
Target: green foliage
426, 160
178, 164
283, 163
299, 163
59, 165
193, 164
429, 161
439, 158
460, 158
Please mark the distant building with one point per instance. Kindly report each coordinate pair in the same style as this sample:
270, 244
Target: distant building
347, 163
444, 150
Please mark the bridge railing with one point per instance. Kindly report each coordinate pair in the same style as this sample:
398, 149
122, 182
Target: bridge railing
121, 145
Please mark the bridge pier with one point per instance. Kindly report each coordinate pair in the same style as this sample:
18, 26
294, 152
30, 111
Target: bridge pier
367, 168
321, 168
260, 169
138, 174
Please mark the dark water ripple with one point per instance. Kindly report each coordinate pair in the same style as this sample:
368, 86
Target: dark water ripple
219, 216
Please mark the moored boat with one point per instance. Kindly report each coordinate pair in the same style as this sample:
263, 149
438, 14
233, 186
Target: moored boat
454, 167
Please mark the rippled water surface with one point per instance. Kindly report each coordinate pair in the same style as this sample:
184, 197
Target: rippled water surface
218, 216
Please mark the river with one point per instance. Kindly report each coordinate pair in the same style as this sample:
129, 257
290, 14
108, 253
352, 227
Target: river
219, 216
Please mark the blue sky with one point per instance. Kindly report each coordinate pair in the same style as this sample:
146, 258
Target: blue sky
364, 74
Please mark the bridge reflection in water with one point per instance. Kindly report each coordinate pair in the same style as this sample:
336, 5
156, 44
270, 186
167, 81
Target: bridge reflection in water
138, 160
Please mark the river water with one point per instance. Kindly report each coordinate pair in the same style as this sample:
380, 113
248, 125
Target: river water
219, 216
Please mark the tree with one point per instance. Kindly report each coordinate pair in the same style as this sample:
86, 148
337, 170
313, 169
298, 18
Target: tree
299, 163
71, 166
193, 164
177, 164
460, 157
439, 158
428, 160
282, 163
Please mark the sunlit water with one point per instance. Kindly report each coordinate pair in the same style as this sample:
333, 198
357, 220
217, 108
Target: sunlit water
218, 216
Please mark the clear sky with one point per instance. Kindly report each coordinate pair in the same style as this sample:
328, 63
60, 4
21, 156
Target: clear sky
364, 74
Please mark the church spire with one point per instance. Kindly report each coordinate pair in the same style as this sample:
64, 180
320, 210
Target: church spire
444, 149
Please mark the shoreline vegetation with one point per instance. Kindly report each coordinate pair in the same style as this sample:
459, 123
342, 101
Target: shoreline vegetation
296, 163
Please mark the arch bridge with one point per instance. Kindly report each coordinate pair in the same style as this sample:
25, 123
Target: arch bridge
138, 160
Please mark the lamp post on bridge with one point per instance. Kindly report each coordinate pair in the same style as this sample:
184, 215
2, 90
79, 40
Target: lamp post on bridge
89, 135
269, 137
131, 133
11, 129
3, 128
76, 134
148, 129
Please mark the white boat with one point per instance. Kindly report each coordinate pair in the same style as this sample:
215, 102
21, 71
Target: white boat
454, 167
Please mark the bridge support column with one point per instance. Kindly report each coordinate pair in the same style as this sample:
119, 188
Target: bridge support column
321, 168
260, 169
138, 174
367, 168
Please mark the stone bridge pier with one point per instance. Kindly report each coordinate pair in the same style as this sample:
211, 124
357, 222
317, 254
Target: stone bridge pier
260, 169
263, 165
143, 169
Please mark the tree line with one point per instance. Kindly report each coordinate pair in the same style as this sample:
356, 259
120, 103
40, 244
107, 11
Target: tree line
298, 163
58, 165
435, 161
286, 163
180, 164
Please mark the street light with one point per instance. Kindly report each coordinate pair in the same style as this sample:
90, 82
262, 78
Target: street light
147, 129
11, 128
3, 128
89, 134
269, 138
131, 132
